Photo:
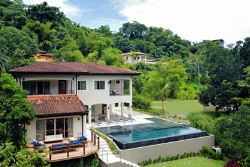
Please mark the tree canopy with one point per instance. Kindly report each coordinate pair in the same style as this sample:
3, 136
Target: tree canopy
15, 111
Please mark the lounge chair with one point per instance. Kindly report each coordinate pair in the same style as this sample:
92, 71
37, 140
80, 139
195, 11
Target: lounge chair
59, 147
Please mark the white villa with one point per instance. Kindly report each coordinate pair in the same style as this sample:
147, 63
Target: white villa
68, 95
134, 58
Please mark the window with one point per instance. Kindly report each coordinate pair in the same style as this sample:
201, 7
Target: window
127, 58
81, 85
99, 85
117, 81
126, 104
34, 88
116, 104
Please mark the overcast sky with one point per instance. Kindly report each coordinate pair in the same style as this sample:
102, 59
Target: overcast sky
194, 20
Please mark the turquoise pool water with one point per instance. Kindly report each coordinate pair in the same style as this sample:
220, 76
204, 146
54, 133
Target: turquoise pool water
158, 131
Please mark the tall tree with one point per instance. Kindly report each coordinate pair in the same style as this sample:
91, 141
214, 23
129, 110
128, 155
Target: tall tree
222, 74
17, 47
134, 30
15, 111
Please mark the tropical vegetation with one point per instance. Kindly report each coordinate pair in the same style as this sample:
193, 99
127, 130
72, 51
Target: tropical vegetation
214, 75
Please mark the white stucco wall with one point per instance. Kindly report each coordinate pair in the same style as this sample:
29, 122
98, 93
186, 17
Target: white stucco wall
140, 154
91, 96
31, 131
135, 60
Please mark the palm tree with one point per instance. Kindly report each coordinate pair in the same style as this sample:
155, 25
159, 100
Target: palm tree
157, 87
163, 94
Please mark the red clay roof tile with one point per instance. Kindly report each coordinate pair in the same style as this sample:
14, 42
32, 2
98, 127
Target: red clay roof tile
57, 105
72, 67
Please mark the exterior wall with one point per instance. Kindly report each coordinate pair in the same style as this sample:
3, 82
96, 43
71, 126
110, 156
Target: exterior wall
31, 131
135, 60
90, 96
77, 126
40, 58
140, 154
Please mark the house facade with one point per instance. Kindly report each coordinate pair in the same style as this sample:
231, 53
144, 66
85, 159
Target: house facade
69, 95
134, 57
43, 56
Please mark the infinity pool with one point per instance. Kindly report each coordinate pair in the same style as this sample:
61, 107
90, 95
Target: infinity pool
159, 131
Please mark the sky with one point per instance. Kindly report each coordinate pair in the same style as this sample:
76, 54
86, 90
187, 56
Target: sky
194, 20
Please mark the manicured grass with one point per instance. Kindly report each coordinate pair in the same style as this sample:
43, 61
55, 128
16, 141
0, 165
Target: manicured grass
186, 111
183, 107
191, 162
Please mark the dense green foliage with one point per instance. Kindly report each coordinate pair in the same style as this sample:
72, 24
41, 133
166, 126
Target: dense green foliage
10, 156
142, 102
44, 27
233, 133
15, 111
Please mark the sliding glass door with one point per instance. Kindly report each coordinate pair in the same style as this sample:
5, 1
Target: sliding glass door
68, 127
50, 128
54, 126
60, 126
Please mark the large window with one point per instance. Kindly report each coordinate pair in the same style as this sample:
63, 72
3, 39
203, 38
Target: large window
99, 85
37, 87
81, 85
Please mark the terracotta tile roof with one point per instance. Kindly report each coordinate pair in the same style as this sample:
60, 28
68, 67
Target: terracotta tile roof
57, 105
72, 67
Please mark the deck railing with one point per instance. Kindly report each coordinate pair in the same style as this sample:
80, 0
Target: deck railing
57, 153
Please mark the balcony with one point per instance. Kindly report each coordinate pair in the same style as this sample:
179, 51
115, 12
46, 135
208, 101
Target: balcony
119, 87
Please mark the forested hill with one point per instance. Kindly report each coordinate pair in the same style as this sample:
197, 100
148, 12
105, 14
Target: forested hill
27, 29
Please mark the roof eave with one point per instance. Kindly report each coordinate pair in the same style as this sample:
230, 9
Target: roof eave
73, 73
61, 114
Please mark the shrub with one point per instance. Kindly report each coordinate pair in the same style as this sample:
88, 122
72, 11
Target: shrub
10, 156
233, 133
209, 153
202, 121
188, 91
141, 102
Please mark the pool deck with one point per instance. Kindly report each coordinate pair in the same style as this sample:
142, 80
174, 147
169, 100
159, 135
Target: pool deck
139, 154
138, 118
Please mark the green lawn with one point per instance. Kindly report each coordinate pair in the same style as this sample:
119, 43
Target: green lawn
183, 107
191, 162
186, 111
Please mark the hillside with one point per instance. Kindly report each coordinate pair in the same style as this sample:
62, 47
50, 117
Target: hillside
41, 27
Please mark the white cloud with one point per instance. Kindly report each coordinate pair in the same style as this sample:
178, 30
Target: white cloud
72, 11
194, 20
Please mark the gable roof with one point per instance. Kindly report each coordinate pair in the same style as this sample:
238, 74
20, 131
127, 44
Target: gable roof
73, 68
57, 105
